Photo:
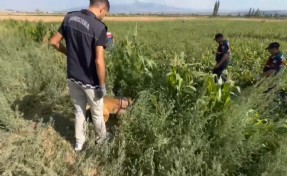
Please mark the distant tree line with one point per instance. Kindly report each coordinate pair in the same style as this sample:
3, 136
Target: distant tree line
258, 13
252, 12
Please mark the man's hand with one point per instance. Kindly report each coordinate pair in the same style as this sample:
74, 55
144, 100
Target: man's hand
101, 92
269, 73
56, 43
216, 67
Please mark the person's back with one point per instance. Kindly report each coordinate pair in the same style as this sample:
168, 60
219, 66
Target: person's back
85, 37
82, 32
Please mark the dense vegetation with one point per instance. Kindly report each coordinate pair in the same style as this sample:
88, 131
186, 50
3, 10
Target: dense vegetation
182, 123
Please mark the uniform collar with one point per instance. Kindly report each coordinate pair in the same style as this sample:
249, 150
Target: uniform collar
224, 41
87, 12
277, 54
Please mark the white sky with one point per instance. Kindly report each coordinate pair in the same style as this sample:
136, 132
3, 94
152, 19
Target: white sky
191, 4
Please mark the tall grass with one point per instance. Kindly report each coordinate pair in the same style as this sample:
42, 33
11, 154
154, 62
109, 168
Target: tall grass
181, 124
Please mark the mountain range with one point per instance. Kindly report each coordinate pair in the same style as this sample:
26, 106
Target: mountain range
140, 7
148, 8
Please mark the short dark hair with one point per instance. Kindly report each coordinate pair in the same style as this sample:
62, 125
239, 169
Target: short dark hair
97, 2
218, 36
273, 45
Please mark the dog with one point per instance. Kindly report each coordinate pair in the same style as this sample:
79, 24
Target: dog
115, 107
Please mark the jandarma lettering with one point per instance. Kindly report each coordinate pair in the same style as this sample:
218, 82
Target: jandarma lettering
80, 20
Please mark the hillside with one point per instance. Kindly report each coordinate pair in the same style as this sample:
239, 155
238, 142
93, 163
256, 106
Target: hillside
140, 7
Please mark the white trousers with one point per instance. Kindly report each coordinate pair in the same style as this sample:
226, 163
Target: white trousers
81, 97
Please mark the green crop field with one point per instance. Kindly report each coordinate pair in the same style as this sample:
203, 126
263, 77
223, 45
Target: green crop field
182, 122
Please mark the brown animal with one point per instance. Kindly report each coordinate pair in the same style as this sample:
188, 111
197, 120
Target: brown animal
114, 106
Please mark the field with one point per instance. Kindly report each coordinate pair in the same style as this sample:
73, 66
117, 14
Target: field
182, 122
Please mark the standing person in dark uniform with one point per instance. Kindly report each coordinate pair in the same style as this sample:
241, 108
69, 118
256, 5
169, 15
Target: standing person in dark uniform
85, 37
275, 62
110, 41
222, 56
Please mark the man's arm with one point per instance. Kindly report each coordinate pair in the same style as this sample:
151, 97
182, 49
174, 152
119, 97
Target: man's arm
223, 60
57, 44
225, 52
269, 73
100, 58
101, 65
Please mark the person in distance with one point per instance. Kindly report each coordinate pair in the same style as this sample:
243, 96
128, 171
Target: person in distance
276, 62
222, 57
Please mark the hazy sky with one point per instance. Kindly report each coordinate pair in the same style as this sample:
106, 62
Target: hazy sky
50, 5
